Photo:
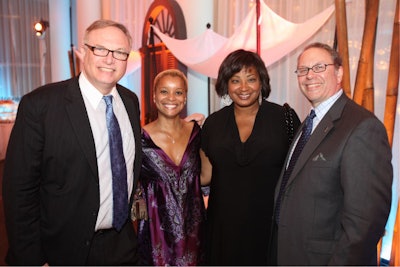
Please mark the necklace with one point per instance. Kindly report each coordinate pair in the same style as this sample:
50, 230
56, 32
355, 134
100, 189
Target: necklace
171, 138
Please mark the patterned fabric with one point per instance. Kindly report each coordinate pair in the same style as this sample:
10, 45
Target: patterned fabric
118, 167
173, 235
306, 132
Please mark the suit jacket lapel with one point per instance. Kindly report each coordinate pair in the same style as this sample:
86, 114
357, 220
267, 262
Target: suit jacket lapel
75, 107
324, 127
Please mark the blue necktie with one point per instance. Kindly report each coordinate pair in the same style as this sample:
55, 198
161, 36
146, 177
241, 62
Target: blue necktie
118, 168
305, 135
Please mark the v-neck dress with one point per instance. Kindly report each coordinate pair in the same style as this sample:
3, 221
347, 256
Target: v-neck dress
244, 176
174, 233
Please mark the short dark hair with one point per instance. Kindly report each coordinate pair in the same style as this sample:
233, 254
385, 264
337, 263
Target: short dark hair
337, 60
235, 62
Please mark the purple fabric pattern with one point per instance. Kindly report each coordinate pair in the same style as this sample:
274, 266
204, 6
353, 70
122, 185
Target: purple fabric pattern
174, 233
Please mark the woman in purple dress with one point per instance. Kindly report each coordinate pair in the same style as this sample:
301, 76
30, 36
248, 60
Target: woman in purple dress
170, 180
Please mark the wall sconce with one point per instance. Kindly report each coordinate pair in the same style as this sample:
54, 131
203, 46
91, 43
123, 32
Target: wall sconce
41, 27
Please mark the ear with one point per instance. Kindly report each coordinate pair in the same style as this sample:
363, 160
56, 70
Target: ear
339, 75
82, 51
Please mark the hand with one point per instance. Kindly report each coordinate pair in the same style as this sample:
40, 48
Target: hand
197, 117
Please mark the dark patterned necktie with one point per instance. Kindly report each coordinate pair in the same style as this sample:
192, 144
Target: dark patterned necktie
118, 167
305, 135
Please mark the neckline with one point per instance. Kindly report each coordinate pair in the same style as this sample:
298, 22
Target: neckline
168, 158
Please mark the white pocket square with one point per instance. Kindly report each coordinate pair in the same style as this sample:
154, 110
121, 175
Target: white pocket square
319, 157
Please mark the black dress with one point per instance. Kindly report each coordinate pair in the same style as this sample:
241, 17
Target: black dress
243, 181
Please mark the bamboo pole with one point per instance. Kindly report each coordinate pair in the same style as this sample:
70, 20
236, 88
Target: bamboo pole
392, 88
367, 48
392, 91
368, 97
341, 33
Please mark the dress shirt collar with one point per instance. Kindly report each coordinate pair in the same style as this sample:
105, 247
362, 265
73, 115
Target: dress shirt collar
91, 93
324, 107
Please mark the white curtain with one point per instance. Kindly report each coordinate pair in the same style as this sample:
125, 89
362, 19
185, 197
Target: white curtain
24, 59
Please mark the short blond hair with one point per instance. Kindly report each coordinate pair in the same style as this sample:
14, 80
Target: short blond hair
104, 23
172, 73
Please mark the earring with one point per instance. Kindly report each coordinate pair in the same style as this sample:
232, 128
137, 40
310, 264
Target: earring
260, 99
226, 100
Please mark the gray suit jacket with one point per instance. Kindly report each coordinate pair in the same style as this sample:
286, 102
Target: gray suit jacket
50, 187
338, 197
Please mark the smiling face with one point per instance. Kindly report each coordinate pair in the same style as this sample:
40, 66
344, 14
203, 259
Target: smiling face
105, 72
318, 87
170, 95
244, 87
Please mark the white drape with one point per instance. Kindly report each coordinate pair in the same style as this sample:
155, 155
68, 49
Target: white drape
279, 37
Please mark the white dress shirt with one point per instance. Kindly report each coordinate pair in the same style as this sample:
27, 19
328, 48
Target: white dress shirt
96, 110
320, 112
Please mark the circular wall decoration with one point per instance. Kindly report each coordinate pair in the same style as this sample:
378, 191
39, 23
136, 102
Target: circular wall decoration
168, 17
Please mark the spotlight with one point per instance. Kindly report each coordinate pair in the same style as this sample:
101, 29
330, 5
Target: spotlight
40, 27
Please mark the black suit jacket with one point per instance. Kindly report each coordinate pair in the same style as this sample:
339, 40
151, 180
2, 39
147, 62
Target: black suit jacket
338, 197
51, 187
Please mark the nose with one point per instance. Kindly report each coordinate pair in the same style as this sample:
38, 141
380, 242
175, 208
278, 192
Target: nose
310, 74
109, 58
171, 96
244, 85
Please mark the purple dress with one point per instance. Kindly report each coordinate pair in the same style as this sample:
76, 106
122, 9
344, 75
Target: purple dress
174, 233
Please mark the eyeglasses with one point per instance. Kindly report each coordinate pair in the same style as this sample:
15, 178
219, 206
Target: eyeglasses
316, 69
103, 52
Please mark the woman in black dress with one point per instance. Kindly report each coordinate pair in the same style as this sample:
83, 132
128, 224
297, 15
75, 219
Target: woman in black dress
244, 146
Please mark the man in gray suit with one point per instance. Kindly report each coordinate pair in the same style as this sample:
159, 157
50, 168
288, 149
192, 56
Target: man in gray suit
333, 206
58, 196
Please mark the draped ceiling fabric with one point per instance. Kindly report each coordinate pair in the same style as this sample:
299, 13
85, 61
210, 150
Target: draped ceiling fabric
206, 52
279, 37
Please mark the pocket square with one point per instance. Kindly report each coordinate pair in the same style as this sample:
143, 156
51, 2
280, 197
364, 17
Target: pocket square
319, 157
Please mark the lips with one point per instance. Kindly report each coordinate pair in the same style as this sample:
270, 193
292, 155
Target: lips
170, 106
106, 69
312, 85
244, 96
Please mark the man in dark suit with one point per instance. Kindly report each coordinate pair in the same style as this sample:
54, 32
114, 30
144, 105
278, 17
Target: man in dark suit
336, 201
58, 196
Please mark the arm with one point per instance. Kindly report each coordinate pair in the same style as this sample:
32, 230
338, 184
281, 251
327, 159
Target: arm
21, 189
206, 169
366, 176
